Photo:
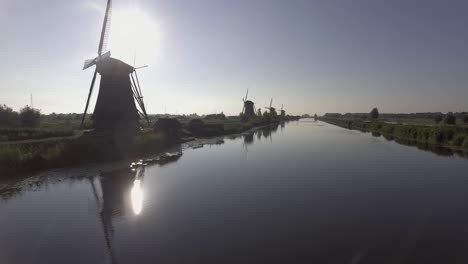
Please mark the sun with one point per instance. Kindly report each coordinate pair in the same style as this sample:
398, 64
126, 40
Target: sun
134, 37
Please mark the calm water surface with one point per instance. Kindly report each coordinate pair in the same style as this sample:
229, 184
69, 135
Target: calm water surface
307, 192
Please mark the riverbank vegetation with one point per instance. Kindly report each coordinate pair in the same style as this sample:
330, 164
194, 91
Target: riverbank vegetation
56, 140
445, 134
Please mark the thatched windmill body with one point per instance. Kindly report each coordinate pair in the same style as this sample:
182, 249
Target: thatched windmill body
119, 89
248, 111
271, 109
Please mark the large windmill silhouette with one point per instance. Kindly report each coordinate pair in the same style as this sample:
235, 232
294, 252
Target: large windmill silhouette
248, 111
115, 108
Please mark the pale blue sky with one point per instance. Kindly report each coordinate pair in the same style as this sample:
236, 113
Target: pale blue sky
312, 56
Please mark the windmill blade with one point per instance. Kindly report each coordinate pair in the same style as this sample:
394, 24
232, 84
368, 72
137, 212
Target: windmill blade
105, 28
247, 94
89, 97
271, 102
141, 67
91, 62
243, 108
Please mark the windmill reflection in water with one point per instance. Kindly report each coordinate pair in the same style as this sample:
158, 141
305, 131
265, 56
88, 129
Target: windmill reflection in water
119, 190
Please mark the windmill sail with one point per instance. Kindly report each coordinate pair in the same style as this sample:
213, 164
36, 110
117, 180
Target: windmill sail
91, 62
102, 45
105, 28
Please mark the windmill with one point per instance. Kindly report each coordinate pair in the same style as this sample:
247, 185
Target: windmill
248, 111
271, 109
283, 113
119, 88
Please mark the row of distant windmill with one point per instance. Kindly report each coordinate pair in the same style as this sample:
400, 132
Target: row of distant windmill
120, 88
249, 111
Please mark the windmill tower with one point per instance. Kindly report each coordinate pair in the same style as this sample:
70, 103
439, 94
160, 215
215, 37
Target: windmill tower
248, 111
271, 109
115, 108
283, 113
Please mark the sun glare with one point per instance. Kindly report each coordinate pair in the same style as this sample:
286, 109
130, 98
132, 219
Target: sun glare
136, 197
134, 34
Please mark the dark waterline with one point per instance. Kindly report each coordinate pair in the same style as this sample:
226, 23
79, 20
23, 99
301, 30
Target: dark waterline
304, 192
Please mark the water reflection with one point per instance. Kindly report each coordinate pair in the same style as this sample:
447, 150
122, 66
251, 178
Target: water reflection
137, 197
137, 193
266, 132
436, 149
114, 187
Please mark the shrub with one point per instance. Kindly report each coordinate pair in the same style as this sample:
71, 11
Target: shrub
29, 117
8, 117
465, 119
450, 119
374, 114
438, 119
10, 158
459, 140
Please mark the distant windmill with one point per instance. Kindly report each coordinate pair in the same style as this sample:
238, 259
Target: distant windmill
248, 111
119, 88
271, 109
283, 113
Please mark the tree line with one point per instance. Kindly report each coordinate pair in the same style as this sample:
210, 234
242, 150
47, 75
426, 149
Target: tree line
449, 118
26, 117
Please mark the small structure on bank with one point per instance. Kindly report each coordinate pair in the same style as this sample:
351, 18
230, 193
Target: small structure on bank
195, 125
171, 127
199, 128
271, 109
248, 110
119, 88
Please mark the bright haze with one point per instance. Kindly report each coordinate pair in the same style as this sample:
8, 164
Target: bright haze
311, 56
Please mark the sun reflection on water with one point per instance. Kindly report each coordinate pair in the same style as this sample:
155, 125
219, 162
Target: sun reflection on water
137, 197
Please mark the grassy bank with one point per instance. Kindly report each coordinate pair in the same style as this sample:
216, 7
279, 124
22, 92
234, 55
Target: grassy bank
30, 156
451, 136
38, 150
16, 134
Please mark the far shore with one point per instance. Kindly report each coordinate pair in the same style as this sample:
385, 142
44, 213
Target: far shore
453, 137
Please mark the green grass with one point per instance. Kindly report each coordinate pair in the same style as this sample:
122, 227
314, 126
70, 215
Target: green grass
15, 134
17, 158
36, 149
454, 136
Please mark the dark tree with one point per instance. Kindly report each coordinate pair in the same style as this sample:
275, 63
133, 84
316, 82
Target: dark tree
8, 117
315, 116
374, 114
465, 119
30, 117
259, 112
438, 119
450, 119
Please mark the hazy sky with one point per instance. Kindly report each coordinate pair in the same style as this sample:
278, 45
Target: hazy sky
312, 56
